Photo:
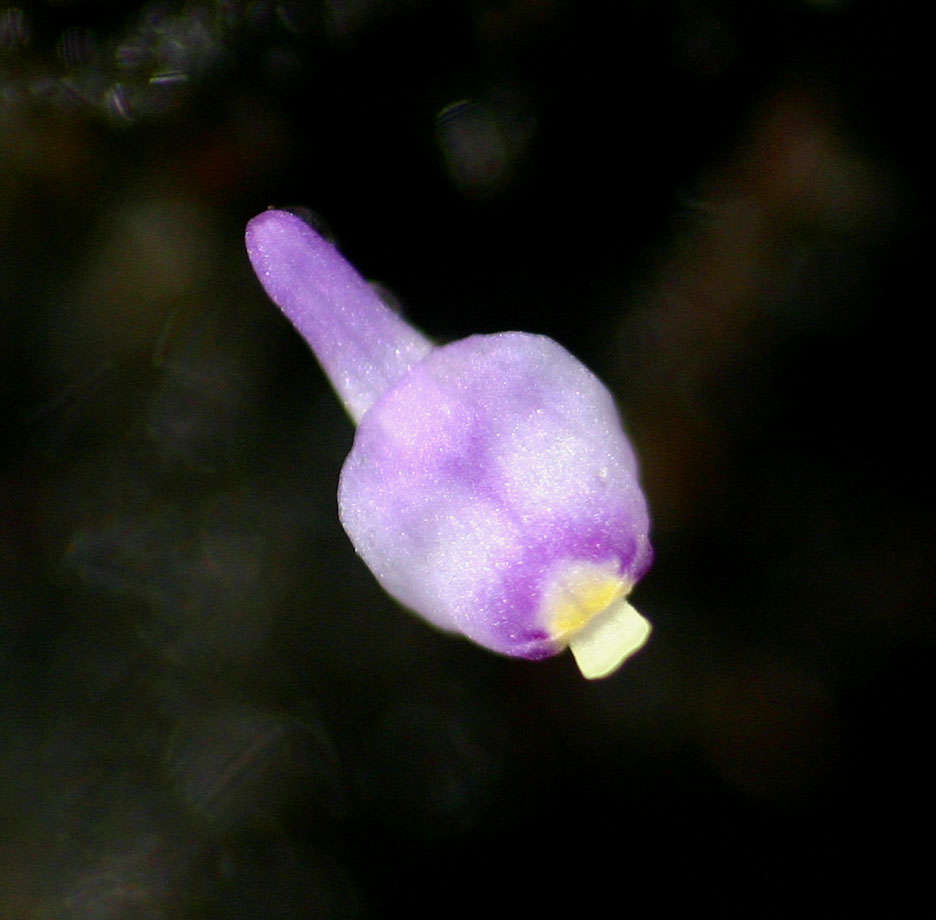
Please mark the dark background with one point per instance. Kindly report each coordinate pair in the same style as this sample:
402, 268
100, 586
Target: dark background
207, 707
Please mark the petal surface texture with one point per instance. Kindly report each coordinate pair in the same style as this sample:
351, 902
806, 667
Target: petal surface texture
493, 471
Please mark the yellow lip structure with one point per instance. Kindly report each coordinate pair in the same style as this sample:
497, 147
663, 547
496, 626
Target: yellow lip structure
586, 608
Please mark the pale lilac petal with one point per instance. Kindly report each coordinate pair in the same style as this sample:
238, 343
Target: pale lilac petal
497, 462
491, 487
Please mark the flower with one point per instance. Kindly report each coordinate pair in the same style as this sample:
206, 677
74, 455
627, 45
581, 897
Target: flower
491, 487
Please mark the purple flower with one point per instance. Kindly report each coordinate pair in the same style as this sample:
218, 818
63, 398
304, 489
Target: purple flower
491, 487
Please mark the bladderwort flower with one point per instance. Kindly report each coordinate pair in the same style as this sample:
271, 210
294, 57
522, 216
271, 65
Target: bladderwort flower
491, 487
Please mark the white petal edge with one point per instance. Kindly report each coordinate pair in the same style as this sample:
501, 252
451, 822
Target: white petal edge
609, 639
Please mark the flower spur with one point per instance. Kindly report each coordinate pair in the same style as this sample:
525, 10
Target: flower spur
491, 487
